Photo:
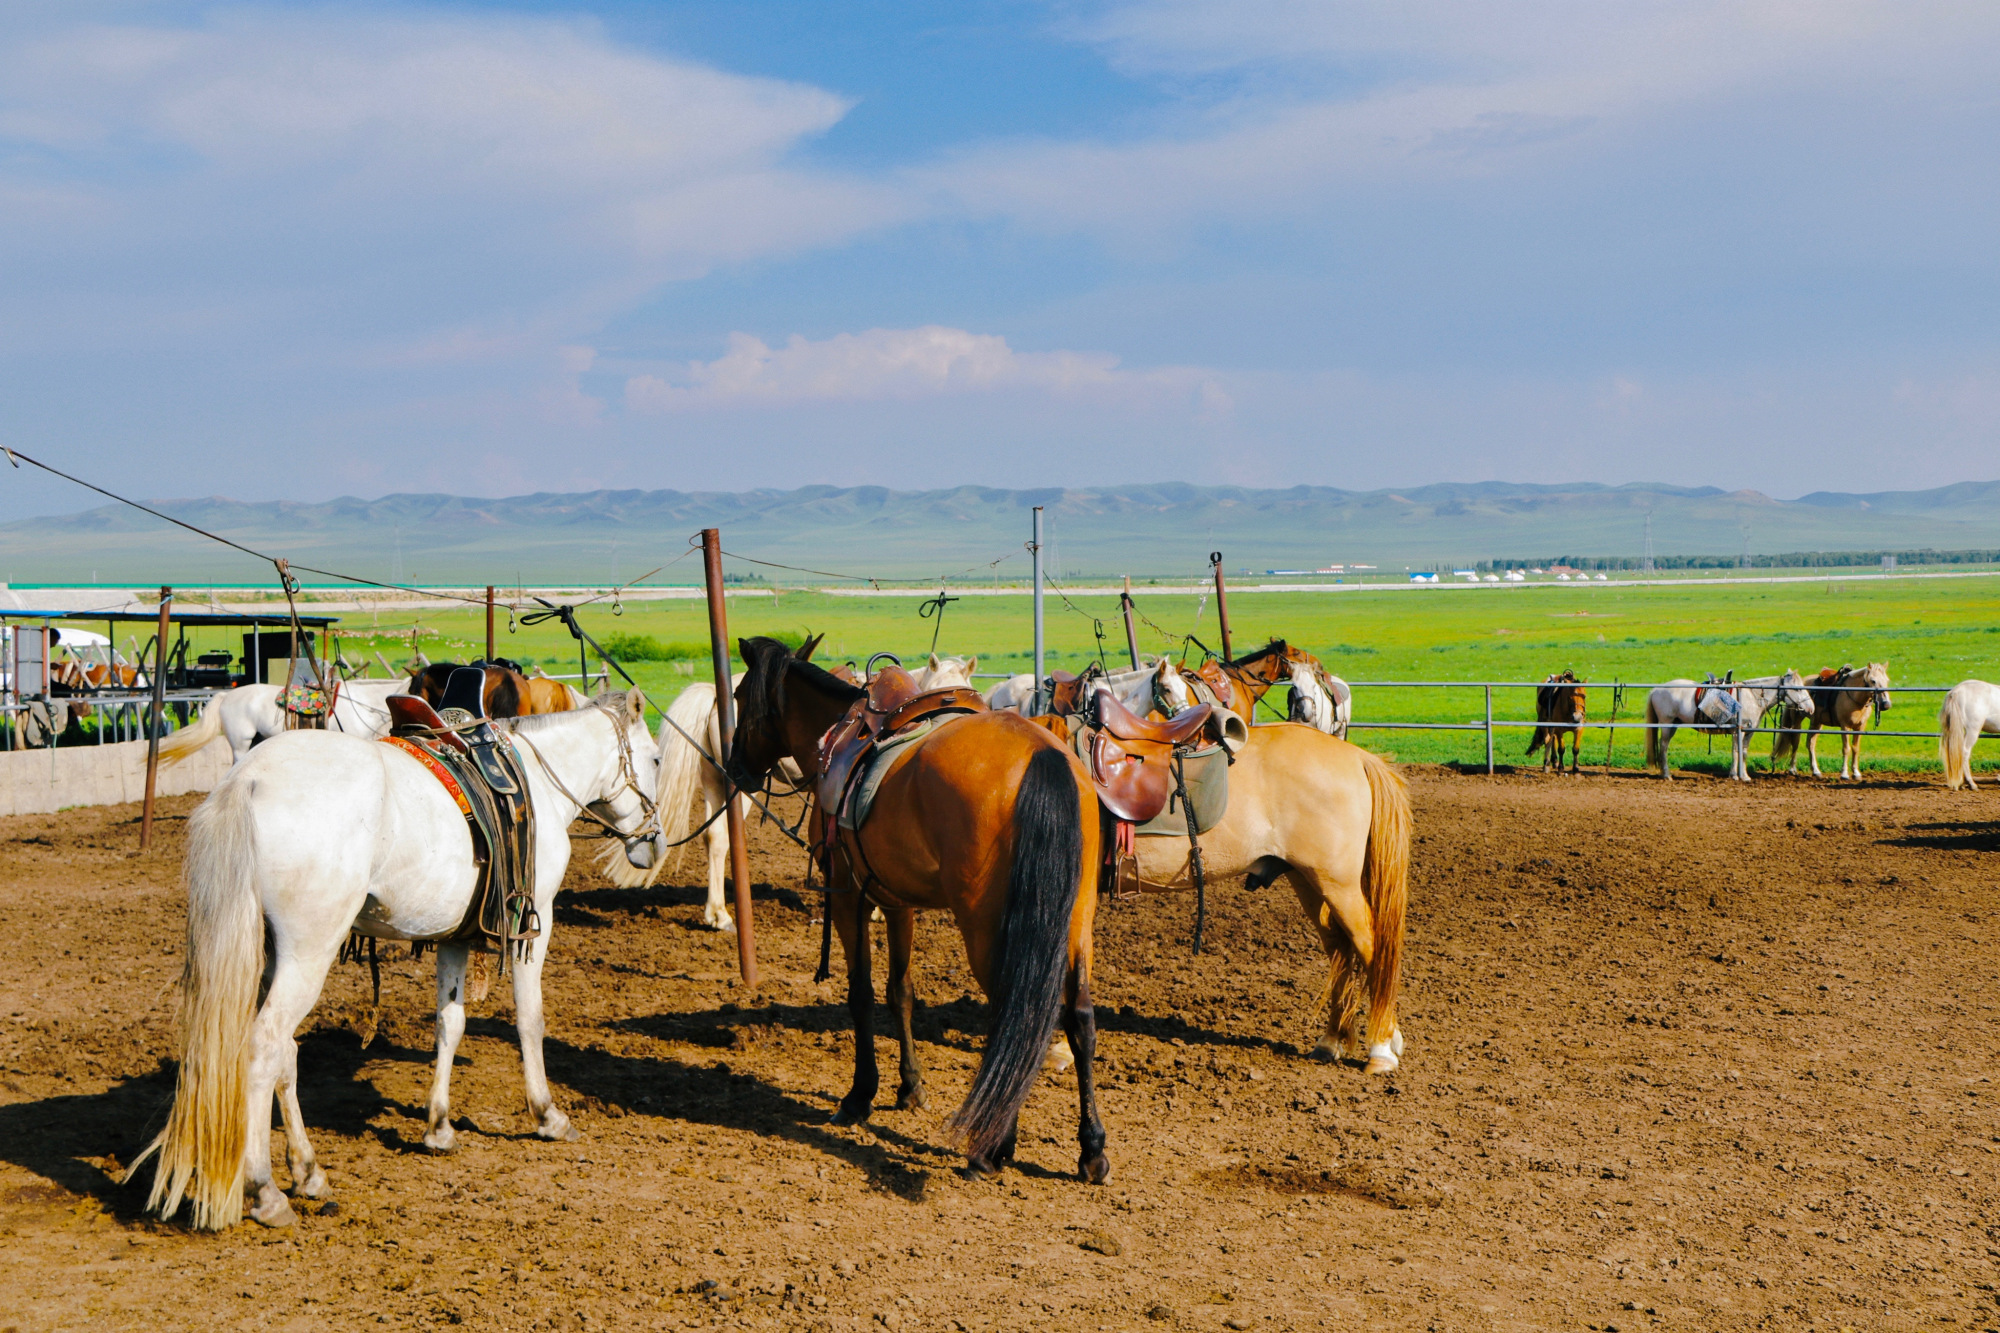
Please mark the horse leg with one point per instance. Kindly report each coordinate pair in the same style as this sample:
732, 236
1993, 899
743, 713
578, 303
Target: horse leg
451, 967
1344, 989
1812, 746
1850, 754
855, 943
1080, 1023
903, 1003
715, 912
1666, 739
308, 1180
531, 1027
274, 1050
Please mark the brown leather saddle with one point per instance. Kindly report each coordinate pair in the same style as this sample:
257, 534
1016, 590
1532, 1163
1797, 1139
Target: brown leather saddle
892, 705
1219, 682
1131, 757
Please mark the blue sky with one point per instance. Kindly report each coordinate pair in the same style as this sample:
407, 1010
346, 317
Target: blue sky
305, 250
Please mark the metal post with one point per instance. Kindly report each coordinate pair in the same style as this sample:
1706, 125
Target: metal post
159, 715
1489, 731
725, 716
1131, 639
1035, 549
1222, 605
489, 622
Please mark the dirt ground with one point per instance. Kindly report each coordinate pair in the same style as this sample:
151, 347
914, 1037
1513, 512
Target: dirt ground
1691, 1057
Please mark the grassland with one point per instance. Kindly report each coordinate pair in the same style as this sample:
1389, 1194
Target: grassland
1929, 631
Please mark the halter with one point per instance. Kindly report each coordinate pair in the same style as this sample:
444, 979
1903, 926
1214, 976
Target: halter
626, 770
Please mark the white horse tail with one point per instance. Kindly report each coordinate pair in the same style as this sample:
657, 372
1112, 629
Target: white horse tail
680, 772
577, 698
1652, 733
1957, 731
201, 1149
182, 744
1385, 881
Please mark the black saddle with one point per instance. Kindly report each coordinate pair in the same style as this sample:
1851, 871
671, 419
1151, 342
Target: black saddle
465, 701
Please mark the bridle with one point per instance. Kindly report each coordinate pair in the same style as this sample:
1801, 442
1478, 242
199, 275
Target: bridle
628, 771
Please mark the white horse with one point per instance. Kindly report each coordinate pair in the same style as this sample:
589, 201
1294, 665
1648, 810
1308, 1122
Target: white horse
1016, 694
684, 772
1320, 699
250, 713
1971, 710
1673, 705
317, 834
941, 672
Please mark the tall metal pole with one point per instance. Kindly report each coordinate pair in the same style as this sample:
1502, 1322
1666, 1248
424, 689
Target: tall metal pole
1489, 731
725, 715
1131, 638
1041, 676
159, 715
1222, 605
489, 623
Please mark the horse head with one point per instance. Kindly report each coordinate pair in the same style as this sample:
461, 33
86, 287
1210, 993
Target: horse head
772, 720
1792, 688
1876, 680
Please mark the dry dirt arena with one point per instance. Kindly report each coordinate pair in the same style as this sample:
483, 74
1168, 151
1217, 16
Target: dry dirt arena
1691, 1057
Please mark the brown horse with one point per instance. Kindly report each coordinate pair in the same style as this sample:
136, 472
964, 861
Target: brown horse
508, 692
1240, 682
1846, 698
1559, 712
989, 818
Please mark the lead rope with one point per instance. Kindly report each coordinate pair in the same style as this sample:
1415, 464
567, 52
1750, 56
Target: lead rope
1194, 850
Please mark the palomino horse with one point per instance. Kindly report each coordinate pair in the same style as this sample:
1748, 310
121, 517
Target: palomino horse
1678, 704
1971, 710
1845, 698
249, 714
317, 834
1559, 712
988, 817
1334, 821
508, 692
944, 671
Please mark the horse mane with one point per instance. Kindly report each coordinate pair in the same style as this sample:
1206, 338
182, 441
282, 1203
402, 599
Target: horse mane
1274, 646
819, 677
614, 700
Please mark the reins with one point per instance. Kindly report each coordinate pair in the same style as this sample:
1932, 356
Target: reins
626, 770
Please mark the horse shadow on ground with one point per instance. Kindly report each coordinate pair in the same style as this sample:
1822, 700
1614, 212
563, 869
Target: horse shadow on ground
600, 907
1951, 835
82, 1141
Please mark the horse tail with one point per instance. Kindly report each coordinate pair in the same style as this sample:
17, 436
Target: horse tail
1652, 733
1385, 882
201, 1149
1030, 964
182, 744
1956, 734
681, 763
1540, 738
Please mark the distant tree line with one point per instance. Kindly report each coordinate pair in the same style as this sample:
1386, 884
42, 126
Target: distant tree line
1782, 560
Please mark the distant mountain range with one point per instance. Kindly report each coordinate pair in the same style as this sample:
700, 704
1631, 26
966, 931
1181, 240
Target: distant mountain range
1144, 530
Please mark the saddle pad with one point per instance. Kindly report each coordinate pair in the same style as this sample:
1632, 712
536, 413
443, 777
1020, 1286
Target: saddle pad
305, 700
423, 755
861, 797
1207, 774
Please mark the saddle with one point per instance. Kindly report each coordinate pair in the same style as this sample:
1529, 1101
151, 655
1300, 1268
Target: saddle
1131, 758
1219, 682
893, 705
481, 772
1067, 691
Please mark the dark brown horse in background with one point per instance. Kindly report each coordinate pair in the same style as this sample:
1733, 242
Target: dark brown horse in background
1559, 712
508, 692
987, 817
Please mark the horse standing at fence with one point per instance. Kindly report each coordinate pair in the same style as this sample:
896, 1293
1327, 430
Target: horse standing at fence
317, 834
1559, 712
986, 816
1680, 703
1845, 698
1970, 710
250, 714
1320, 699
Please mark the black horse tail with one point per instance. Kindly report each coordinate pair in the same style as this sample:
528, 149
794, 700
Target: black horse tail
1030, 968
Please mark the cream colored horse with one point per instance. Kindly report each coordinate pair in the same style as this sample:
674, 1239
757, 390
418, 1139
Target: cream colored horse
1334, 821
1970, 711
1846, 698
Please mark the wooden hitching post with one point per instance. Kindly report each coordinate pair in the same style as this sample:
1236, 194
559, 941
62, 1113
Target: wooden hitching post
725, 716
489, 622
159, 715
1131, 638
1222, 605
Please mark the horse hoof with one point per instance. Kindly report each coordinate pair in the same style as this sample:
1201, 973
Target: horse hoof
1094, 1170
1384, 1063
913, 1100
274, 1212
1327, 1052
850, 1113
725, 922
315, 1186
556, 1128
442, 1139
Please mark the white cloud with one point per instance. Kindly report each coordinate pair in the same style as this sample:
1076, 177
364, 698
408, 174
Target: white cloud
888, 364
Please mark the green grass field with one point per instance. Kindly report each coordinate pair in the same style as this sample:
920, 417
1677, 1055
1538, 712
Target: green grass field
1929, 631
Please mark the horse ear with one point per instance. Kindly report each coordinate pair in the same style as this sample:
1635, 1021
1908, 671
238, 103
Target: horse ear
743, 651
971, 665
805, 650
635, 704
934, 662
